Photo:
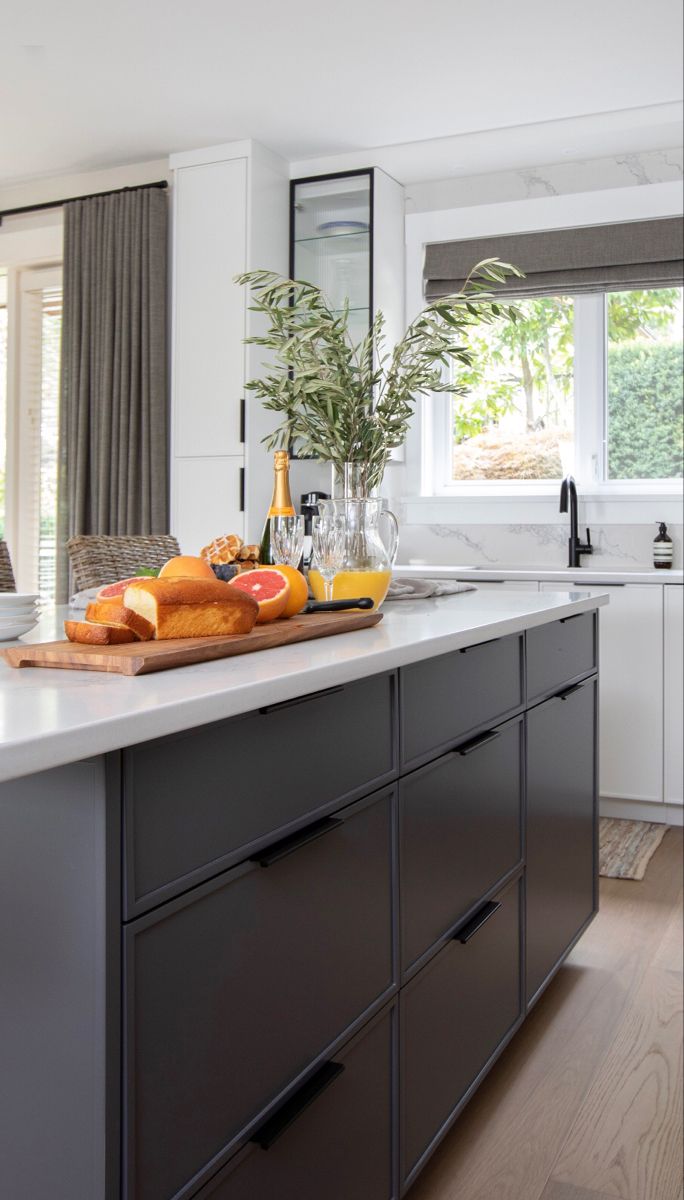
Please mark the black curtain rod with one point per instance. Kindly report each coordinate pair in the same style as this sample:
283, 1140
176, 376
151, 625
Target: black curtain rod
28, 208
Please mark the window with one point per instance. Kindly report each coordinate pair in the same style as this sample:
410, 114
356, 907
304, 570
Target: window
30, 336
590, 384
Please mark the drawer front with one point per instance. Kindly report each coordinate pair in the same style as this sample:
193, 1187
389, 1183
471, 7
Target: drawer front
199, 802
460, 832
234, 991
454, 1015
334, 1139
562, 827
443, 698
559, 652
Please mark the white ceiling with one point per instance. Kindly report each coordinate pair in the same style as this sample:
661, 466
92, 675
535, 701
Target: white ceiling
90, 85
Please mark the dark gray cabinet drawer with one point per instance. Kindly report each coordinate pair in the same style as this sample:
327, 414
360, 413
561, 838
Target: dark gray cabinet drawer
334, 1139
559, 652
460, 833
199, 802
233, 991
454, 1015
443, 698
561, 855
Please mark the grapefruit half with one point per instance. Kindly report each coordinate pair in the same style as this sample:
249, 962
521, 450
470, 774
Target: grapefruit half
111, 591
269, 587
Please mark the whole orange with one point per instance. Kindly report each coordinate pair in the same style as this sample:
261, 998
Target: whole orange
186, 566
299, 589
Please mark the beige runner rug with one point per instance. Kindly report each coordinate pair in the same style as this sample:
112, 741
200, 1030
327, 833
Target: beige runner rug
626, 847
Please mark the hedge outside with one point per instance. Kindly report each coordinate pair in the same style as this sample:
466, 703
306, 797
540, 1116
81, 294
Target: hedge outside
645, 424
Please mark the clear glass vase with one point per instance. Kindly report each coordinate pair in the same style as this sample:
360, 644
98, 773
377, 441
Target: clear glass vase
350, 482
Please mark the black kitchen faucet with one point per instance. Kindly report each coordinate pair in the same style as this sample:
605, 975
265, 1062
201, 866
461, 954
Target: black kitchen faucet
575, 546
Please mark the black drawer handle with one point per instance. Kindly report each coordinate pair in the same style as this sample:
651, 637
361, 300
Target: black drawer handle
271, 708
483, 740
476, 645
466, 932
275, 1126
574, 617
576, 687
288, 845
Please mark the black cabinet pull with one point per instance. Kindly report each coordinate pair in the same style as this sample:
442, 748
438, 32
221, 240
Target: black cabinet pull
569, 691
241, 486
476, 645
467, 931
271, 708
482, 740
242, 418
574, 617
275, 1126
294, 841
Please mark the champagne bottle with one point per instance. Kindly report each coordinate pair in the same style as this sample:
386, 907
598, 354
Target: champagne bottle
281, 504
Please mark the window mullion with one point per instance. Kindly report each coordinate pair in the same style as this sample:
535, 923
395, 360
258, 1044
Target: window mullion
590, 387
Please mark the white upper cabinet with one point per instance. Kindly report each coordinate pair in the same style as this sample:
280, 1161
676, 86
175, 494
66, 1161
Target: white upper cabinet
674, 687
230, 215
210, 224
630, 691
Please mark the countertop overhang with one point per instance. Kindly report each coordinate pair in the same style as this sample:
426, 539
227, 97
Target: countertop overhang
51, 717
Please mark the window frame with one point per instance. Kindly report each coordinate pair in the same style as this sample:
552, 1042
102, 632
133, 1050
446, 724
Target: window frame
410, 484
591, 429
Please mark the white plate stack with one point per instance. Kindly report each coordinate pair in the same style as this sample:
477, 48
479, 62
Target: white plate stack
19, 612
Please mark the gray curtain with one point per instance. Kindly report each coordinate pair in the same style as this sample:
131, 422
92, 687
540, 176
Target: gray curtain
113, 438
633, 254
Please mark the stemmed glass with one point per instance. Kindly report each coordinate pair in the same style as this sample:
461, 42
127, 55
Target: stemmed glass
328, 538
287, 537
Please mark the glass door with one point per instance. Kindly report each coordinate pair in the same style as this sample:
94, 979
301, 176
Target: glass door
331, 241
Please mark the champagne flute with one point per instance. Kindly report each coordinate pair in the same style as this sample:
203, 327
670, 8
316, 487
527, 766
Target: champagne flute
328, 536
287, 538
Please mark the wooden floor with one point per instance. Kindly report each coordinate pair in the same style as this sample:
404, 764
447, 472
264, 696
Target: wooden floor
586, 1102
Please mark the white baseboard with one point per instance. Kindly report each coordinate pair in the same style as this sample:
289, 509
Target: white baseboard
641, 810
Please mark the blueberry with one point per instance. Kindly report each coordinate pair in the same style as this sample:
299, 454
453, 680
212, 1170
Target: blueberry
224, 571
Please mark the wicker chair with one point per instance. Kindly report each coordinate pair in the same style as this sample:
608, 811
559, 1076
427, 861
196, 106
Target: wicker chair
97, 559
7, 583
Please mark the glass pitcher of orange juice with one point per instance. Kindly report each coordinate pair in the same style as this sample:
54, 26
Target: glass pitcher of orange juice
367, 566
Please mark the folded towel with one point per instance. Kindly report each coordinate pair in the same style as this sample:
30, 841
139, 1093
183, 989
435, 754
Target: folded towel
81, 600
423, 589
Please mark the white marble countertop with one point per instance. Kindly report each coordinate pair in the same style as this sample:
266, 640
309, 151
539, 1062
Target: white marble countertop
49, 717
564, 576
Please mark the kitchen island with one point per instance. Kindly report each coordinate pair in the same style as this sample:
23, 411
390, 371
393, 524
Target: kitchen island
268, 921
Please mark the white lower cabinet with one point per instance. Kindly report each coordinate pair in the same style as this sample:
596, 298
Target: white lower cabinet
630, 690
673, 643
511, 585
207, 500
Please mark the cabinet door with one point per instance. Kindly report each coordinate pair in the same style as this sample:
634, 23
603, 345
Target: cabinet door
561, 869
631, 691
235, 990
459, 834
207, 497
332, 1140
210, 241
454, 1015
674, 707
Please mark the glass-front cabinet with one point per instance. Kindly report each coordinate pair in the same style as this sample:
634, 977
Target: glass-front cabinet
346, 235
331, 243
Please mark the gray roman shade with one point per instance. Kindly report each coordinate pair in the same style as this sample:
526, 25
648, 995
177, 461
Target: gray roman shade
633, 254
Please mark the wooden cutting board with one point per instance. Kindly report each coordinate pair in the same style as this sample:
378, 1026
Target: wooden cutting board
139, 658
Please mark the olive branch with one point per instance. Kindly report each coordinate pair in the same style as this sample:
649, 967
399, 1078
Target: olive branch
344, 402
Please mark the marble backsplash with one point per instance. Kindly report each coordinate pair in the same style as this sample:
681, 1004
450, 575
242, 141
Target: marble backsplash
616, 547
